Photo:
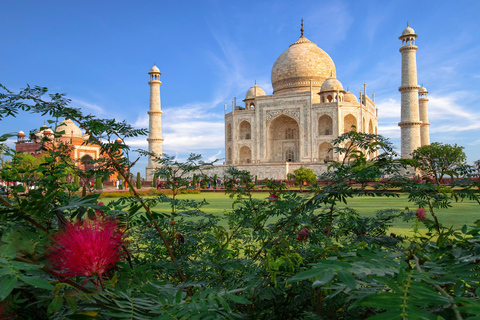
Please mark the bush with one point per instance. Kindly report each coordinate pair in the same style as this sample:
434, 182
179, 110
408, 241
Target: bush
288, 256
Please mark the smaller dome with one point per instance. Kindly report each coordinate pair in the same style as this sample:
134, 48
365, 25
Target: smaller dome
350, 97
85, 137
422, 90
21, 133
69, 127
154, 70
331, 84
408, 31
254, 91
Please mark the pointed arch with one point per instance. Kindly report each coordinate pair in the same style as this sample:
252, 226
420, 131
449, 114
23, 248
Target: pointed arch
349, 123
229, 132
370, 127
229, 156
324, 152
245, 130
282, 136
245, 155
325, 125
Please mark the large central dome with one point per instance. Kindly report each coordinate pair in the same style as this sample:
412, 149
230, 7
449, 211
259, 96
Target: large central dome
301, 62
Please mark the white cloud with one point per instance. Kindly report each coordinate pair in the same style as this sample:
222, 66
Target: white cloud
388, 108
91, 106
215, 156
142, 121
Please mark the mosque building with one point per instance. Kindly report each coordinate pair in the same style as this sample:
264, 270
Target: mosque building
67, 132
273, 135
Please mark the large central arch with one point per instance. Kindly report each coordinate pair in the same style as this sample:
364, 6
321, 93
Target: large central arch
283, 143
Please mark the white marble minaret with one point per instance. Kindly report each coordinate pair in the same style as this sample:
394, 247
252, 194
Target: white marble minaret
155, 141
410, 119
424, 129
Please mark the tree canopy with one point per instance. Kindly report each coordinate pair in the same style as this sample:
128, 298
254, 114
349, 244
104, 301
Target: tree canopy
438, 160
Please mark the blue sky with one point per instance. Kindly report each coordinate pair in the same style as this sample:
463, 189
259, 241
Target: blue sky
99, 53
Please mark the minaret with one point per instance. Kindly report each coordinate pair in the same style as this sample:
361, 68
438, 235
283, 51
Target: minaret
410, 121
155, 141
424, 129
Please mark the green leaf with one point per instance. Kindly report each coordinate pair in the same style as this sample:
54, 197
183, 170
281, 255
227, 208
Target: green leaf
464, 229
381, 301
237, 299
7, 285
347, 278
18, 265
307, 274
324, 278
5, 271
37, 282
55, 305
80, 317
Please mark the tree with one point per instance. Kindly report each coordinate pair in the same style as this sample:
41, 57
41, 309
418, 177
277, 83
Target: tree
98, 183
437, 160
76, 180
302, 175
139, 181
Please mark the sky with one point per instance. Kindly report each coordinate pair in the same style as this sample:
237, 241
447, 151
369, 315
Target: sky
100, 52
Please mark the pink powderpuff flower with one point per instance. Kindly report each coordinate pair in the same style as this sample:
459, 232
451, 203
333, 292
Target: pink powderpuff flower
303, 234
421, 213
273, 198
87, 248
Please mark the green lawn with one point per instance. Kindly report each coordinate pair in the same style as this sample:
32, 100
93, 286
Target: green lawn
461, 213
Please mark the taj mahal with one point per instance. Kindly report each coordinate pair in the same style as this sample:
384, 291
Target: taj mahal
273, 135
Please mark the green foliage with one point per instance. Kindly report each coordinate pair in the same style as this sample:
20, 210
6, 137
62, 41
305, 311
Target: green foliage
287, 256
303, 175
98, 183
76, 181
139, 181
437, 160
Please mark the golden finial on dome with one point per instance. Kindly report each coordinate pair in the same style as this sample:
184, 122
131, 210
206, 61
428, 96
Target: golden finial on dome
301, 30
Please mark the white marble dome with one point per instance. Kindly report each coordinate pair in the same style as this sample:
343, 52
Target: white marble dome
154, 69
69, 126
301, 62
408, 31
254, 91
331, 84
350, 97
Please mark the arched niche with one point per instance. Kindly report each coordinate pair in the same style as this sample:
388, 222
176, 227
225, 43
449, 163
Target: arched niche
229, 156
245, 130
87, 163
283, 139
364, 128
324, 152
370, 126
245, 155
349, 123
229, 132
325, 125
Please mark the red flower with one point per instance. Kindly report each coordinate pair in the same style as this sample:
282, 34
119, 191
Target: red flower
421, 213
303, 234
273, 198
87, 248
180, 238
98, 211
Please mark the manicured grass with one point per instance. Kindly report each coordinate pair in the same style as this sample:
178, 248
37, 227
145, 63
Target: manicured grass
461, 213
